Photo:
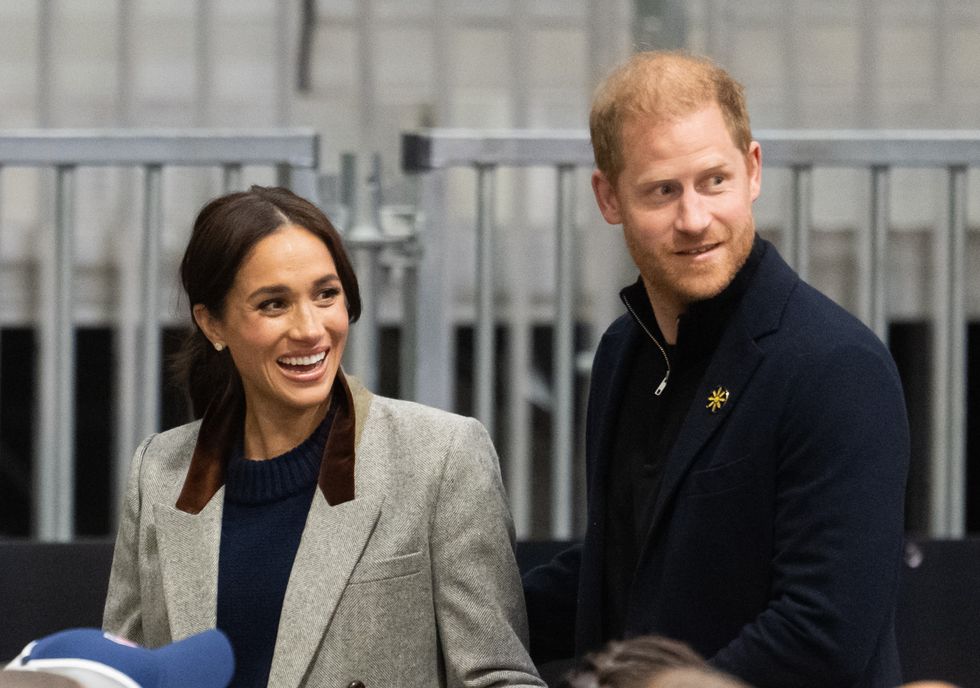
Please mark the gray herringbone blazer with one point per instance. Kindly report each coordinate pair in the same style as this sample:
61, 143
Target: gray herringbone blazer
410, 583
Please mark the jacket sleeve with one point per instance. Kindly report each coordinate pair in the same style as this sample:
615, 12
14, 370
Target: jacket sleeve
841, 465
551, 592
123, 615
479, 606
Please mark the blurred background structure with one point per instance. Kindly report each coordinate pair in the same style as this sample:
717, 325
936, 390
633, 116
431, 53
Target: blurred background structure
446, 138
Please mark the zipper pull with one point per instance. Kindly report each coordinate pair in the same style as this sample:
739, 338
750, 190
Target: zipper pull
662, 386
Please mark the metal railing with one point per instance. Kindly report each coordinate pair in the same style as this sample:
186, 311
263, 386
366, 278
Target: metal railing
433, 152
295, 156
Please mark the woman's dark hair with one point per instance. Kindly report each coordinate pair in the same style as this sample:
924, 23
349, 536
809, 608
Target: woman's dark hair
225, 232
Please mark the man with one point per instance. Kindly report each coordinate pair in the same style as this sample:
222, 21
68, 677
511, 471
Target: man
746, 439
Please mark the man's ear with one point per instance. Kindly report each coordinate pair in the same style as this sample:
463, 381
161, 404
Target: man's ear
210, 325
753, 162
605, 197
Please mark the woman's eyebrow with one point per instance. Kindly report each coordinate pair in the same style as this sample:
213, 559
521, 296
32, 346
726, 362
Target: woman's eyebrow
270, 290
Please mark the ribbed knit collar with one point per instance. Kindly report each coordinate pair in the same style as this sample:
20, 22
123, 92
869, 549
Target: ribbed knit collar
700, 327
269, 480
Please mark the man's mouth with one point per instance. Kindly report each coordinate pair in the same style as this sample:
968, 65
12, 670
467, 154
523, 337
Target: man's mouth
697, 251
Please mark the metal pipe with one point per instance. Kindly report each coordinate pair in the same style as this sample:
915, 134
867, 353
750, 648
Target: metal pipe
947, 469
486, 200
876, 254
231, 178
798, 239
408, 344
127, 380
435, 352
304, 58
562, 425
45, 21
151, 354
518, 473
124, 61
204, 87
364, 241
287, 44
54, 461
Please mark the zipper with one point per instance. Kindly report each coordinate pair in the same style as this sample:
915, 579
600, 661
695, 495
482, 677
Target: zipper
663, 383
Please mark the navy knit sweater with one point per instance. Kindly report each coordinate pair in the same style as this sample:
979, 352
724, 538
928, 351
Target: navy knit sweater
265, 509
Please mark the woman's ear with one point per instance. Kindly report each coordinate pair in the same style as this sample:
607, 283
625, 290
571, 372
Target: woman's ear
210, 325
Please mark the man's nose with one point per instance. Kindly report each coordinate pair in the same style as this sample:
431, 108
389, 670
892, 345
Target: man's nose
692, 213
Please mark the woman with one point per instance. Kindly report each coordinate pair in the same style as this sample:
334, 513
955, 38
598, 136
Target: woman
338, 538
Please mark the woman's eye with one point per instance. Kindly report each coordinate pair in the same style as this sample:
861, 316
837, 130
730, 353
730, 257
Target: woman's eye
272, 306
328, 294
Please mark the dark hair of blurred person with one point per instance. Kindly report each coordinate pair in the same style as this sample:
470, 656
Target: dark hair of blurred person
648, 661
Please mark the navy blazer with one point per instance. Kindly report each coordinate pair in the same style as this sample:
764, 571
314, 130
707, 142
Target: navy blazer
776, 540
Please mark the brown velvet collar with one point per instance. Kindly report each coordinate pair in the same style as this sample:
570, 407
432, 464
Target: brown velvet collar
217, 435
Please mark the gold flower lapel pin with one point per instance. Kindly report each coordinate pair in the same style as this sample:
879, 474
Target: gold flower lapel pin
717, 399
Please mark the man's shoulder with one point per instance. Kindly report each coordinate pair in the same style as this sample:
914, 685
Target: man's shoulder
806, 316
619, 330
817, 320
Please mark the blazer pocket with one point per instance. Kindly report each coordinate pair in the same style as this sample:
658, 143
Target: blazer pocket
717, 479
383, 569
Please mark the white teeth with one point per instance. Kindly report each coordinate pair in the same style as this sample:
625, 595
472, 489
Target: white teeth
303, 360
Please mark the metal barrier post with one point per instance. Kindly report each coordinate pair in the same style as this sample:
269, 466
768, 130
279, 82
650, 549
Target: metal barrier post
798, 240
564, 360
947, 494
484, 333
875, 255
150, 269
55, 470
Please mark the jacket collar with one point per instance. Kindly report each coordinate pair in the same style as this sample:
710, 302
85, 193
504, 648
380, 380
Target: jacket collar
220, 427
700, 327
333, 539
739, 353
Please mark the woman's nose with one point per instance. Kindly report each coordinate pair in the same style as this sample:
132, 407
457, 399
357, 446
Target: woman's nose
305, 323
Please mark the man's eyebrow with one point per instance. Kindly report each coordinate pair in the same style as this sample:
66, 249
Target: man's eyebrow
720, 167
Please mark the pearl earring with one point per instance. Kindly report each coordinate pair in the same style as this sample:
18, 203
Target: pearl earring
218, 346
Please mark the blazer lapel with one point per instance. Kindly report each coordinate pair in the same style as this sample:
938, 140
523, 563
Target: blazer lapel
333, 540
731, 369
332, 543
188, 550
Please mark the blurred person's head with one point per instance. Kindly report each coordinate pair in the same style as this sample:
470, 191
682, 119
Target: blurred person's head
694, 677
642, 662
258, 325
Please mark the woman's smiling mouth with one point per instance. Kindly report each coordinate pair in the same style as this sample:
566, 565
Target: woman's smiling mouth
302, 364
